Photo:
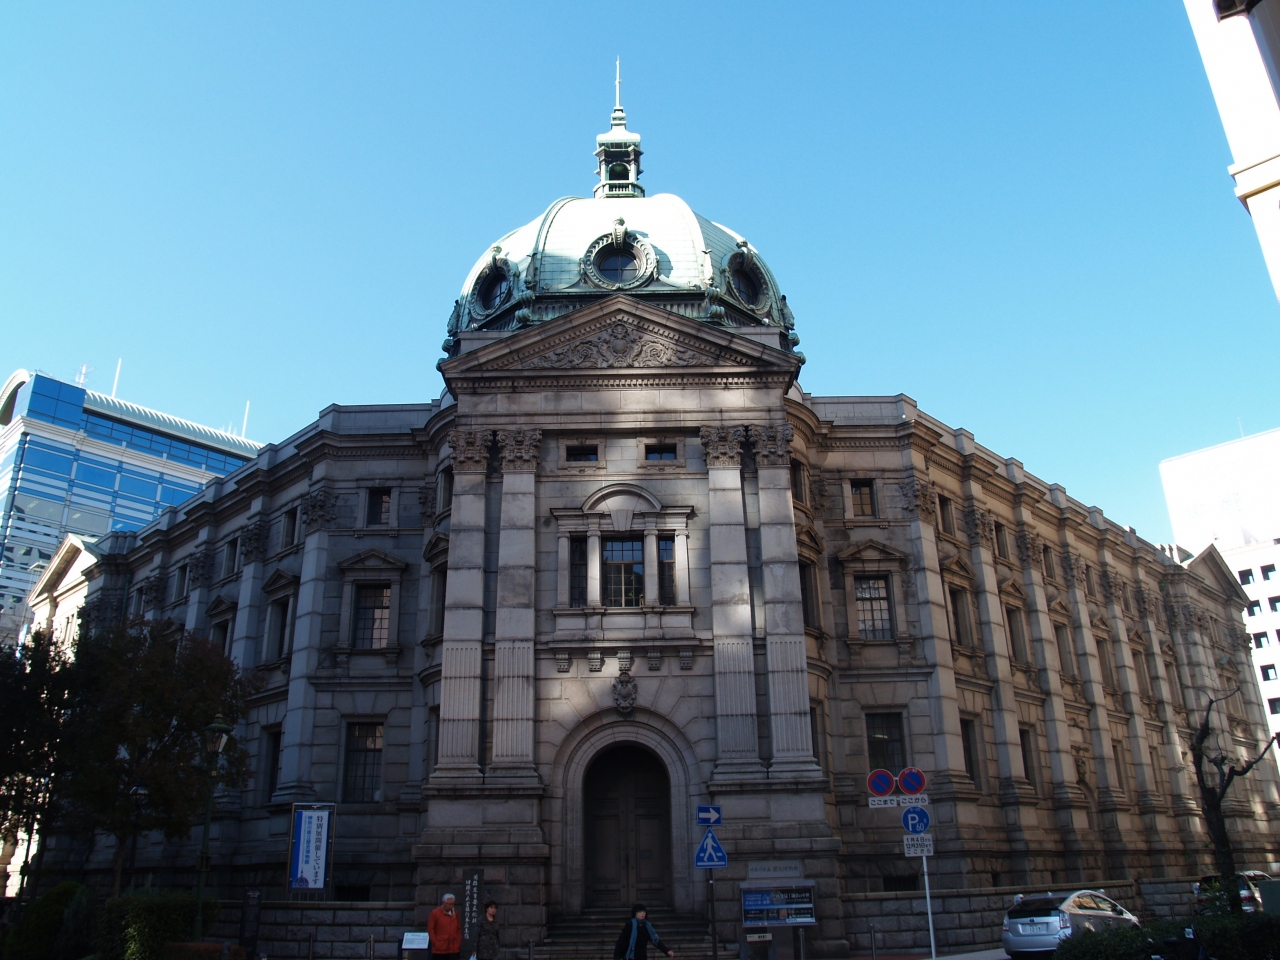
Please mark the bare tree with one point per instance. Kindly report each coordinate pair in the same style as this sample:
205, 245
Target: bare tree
1213, 792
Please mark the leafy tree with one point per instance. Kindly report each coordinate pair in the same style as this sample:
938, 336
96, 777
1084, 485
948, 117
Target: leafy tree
143, 692
1213, 790
34, 678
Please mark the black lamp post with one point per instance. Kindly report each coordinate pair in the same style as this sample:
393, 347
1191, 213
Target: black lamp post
138, 795
215, 740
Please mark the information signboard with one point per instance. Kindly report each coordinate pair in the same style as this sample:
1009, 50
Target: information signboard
311, 847
765, 904
917, 845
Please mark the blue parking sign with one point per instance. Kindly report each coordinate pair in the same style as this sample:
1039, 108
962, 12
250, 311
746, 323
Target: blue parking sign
915, 820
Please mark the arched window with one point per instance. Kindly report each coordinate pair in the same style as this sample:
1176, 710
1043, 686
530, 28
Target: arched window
619, 171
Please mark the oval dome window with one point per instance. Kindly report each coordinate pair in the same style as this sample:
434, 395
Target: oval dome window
745, 286
617, 266
494, 290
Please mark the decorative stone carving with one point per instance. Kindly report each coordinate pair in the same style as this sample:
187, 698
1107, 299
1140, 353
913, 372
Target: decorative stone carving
686, 659
622, 346
625, 660
624, 693
655, 660
723, 445
980, 526
595, 660
519, 449
253, 541
200, 570
920, 499
1074, 568
772, 443
320, 509
470, 449
153, 590
563, 661
1030, 549
1112, 585
1146, 600
427, 502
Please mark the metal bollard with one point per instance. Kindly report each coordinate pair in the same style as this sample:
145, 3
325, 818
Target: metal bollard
531, 948
371, 946
873, 941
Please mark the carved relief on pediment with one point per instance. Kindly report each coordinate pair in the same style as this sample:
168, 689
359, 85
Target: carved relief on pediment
621, 345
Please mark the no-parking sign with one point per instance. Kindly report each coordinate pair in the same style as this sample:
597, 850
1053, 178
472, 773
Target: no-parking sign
911, 781
880, 783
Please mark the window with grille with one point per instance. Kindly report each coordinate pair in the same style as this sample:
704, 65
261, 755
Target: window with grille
885, 747
874, 619
373, 616
378, 507
1122, 762
667, 571
439, 588
1066, 655
622, 559
864, 498
1017, 634
444, 494
362, 767
578, 572
180, 582
1175, 686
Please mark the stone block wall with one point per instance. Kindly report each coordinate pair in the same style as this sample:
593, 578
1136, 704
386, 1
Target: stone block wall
322, 931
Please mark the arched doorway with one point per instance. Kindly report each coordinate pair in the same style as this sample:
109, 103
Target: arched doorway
626, 798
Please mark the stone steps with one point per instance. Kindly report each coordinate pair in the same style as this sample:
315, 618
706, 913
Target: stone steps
591, 936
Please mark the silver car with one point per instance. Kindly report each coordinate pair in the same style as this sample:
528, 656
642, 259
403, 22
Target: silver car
1034, 926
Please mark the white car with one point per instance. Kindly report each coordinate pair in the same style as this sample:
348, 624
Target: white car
1034, 926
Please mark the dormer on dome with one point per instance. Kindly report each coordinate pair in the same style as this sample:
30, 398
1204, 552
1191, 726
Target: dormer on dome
618, 152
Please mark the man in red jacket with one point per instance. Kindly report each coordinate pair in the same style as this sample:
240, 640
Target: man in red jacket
444, 927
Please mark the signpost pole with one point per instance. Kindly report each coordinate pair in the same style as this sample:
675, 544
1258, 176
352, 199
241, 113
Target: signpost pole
928, 908
711, 911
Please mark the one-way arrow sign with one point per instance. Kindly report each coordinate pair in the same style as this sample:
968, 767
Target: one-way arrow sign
710, 854
710, 815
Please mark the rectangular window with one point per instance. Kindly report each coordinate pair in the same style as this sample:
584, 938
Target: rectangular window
1002, 541
277, 629
444, 494
874, 620
1088, 582
1254, 608
1269, 671
1026, 740
1274, 706
362, 767
378, 507
667, 571
578, 572
864, 498
270, 763
622, 576
659, 451
809, 596
817, 733
1017, 634
1260, 640
969, 740
439, 589
220, 634
1175, 687
231, 557
1050, 570
180, 582
1124, 597
1066, 655
1246, 577
433, 738
962, 617
946, 517
582, 454
798, 487
1104, 663
1140, 671
1268, 571
1274, 604
1157, 769
373, 617
1122, 774
289, 528
886, 749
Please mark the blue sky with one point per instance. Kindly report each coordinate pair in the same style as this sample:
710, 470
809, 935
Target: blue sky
1018, 214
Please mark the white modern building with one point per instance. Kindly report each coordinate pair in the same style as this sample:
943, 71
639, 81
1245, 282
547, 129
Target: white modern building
1239, 41
1226, 496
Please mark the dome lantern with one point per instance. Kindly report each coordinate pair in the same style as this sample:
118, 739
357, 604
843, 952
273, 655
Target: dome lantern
618, 152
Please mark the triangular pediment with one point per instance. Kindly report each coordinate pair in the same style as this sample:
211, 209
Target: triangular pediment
871, 551
1012, 589
957, 566
1208, 563
620, 335
280, 581
1058, 608
220, 606
372, 559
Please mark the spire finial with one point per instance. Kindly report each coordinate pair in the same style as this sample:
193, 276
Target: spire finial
617, 86
618, 151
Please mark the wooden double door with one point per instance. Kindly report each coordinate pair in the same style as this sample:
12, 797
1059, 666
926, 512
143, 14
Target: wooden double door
627, 815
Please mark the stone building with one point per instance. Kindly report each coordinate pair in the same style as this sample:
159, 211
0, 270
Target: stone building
626, 566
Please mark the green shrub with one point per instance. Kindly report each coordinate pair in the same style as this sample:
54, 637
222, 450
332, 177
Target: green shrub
138, 925
75, 939
34, 937
1113, 943
1251, 936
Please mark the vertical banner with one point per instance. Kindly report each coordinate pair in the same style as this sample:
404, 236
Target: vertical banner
472, 909
311, 847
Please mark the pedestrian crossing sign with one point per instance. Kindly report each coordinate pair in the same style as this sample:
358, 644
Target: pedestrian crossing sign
710, 854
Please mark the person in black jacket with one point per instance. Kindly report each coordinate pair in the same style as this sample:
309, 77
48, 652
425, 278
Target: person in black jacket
637, 934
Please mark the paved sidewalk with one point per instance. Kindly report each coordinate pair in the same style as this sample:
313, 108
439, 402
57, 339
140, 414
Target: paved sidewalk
996, 954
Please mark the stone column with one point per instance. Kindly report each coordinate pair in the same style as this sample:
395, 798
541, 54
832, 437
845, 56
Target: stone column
562, 570
459, 748
682, 567
593, 561
786, 651
296, 737
514, 624
651, 563
738, 752
253, 550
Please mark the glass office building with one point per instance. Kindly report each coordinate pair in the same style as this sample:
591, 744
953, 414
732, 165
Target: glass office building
76, 461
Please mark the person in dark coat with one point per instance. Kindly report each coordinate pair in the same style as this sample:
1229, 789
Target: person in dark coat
637, 934
487, 947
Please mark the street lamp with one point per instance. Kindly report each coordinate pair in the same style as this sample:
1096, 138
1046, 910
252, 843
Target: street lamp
215, 741
138, 794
